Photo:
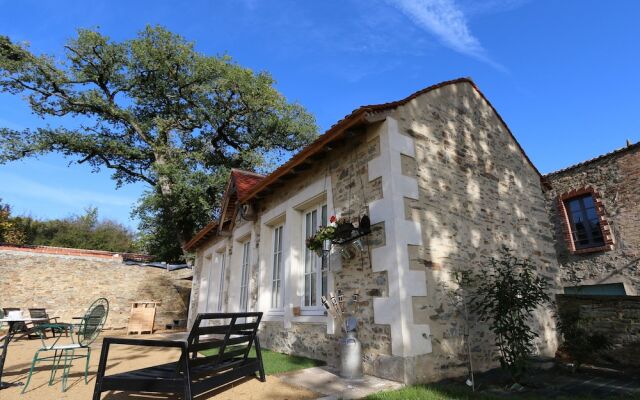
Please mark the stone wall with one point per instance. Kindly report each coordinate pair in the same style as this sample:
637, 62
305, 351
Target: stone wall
616, 317
345, 169
67, 285
616, 177
477, 193
446, 187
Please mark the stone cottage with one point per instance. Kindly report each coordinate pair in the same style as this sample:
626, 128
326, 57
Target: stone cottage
445, 185
595, 207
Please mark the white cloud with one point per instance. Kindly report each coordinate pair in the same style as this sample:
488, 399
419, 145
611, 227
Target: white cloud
446, 20
17, 185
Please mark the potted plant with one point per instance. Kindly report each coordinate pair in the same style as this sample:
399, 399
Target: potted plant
364, 227
344, 229
317, 241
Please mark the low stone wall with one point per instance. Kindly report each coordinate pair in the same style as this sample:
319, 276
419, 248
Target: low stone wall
66, 286
617, 317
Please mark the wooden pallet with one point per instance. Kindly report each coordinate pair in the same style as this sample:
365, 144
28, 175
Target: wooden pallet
143, 316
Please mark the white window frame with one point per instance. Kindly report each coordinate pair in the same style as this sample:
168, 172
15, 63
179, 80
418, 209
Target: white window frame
223, 266
244, 278
317, 276
277, 269
209, 266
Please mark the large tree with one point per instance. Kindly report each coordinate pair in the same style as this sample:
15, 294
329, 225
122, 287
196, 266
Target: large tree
153, 110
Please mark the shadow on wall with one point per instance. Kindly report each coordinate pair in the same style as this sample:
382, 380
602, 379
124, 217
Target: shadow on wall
477, 193
174, 293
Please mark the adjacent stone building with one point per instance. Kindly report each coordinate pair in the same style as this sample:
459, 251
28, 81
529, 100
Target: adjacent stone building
595, 208
445, 185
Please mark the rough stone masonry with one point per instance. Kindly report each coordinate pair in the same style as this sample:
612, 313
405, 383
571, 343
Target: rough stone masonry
67, 285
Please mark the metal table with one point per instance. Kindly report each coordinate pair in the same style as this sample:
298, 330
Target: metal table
13, 324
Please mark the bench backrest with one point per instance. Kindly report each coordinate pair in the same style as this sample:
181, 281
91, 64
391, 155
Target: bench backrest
220, 337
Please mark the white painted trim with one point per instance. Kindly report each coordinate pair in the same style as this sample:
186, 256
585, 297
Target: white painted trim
293, 250
209, 277
407, 339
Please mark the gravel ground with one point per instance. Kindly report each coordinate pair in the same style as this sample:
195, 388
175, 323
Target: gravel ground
122, 358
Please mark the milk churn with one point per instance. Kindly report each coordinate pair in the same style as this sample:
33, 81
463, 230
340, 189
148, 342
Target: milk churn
350, 356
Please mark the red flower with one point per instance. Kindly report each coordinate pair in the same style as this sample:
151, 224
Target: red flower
332, 219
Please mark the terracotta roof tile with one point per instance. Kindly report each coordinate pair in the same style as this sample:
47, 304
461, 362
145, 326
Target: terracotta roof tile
613, 153
245, 181
358, 115
250, 184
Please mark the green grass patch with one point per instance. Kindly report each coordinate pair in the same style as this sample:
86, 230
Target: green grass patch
450, 392
277, 363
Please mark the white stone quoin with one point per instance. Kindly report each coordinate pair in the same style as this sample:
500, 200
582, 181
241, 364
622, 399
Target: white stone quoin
407, 338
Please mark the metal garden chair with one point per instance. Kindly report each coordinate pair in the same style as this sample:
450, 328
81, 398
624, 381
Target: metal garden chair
42, 313
82, 335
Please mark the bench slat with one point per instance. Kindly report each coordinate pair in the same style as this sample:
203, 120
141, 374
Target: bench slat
217, 343
201, 374
222, 329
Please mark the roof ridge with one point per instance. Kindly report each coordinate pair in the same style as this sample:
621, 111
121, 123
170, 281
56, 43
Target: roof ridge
596, 158
245, 172
361, 111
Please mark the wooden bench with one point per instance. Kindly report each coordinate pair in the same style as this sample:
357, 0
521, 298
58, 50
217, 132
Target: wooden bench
225, 339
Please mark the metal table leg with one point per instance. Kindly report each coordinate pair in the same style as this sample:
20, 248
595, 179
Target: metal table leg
3, 355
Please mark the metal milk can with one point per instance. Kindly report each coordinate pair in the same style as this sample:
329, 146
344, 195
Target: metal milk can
350, 356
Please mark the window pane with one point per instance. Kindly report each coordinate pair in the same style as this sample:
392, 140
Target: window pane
223, 257
324, 283
324, 215
309, 260
315, 273
244, 278
587, 200
585, 222
591, 213
276, 299
573, 205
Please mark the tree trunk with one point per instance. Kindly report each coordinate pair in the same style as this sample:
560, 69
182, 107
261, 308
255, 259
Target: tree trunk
166, 191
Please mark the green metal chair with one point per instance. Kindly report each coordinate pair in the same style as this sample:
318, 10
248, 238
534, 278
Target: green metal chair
82, 335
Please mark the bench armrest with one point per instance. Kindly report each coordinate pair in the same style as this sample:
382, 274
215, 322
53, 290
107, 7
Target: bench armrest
108, 341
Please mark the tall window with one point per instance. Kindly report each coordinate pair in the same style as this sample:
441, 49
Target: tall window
315, 267
223, 259
584, 222
276, 286
244, 282
209, 276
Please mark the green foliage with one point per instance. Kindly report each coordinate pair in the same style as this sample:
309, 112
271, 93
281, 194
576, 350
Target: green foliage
579, 342
459, 392
278, 363
10, 232
153, 110
82, 231
507, 292
323, 233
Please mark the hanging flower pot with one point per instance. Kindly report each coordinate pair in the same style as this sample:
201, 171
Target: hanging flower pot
344, 229
364, 227
321, 240
347, 253
359, 244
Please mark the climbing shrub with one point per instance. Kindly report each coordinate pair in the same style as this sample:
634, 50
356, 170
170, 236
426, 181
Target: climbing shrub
507, 291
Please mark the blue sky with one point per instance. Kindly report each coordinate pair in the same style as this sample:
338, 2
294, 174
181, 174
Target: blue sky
563, 74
